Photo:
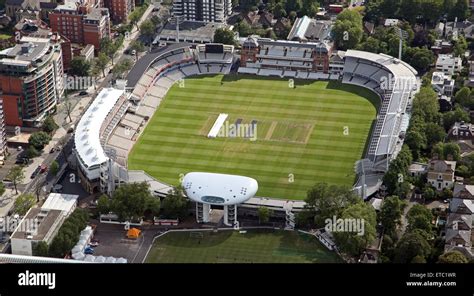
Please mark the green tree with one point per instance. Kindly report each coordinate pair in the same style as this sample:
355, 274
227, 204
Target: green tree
329, 200
175, 204
16, 175
461, 10
41, 249
224, 36
31, 152
447, 150
263, 214
391, 213
147, 29
421, 58
79, 67
54, 168
419, 217
2, 188
49, 125
130, 200
456, 115
425, 105
412, 244
23, 203
463, 96
134, 17
434, 133
460, 46
347, 29
103, 204
354, 242
39, 140
101, 62
429, 193
453, 257
122, 67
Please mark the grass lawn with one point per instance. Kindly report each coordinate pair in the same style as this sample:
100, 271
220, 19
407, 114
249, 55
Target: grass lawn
255, 246
312, 133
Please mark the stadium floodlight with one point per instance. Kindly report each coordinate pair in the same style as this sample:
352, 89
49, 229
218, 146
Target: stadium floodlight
177, 19
403, 35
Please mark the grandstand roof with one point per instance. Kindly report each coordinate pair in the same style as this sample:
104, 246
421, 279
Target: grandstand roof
141, 66
87, 135
394, 65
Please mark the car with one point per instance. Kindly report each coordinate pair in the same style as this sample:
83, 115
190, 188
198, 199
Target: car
52, 150
43, 168
19, 148
35, 172
70, 129
58, 188
89, 251
83, 93
93, 244
133, 52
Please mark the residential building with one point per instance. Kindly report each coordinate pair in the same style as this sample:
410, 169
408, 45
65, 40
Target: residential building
31, 80
443, 84
15, 8
461, 131
256, 19
3, 139
207, 11
441, 174
417, 169
448, 64
119, 9
38, 28
459, 234
81, 22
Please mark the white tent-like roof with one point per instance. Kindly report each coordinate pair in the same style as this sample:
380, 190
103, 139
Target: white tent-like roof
87, 134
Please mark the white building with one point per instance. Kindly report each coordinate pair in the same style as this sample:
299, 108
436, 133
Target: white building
92, 133
38, 225
391, 22
42, 224
441, 174
448, 64
442, 83
207, 11
66, 203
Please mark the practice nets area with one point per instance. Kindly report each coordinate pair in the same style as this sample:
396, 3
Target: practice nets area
287, 138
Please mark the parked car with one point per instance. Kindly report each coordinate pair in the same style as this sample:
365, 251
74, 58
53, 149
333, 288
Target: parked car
83, 93
43, 168
71, 129
89, 251
36, 172
58, 188
94, 244
133, 52
52, 150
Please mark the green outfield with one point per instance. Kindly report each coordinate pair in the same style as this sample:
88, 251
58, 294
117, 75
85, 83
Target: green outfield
310, 133
260, 246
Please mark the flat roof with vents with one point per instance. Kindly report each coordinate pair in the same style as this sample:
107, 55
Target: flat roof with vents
46, 220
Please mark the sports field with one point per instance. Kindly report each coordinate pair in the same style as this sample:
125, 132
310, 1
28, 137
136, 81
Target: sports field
310, 133
233, 247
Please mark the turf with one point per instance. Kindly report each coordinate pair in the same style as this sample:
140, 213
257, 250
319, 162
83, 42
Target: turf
234, 247
300, 132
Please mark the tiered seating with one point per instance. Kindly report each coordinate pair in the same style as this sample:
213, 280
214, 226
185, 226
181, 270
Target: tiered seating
270, 72
288, 73
245, 70
190, 70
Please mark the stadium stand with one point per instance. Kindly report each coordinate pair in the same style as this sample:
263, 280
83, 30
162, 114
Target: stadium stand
383, 74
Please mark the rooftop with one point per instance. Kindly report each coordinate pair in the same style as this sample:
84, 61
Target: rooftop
59, 201
46, 220
87, 135
306, 28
